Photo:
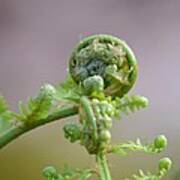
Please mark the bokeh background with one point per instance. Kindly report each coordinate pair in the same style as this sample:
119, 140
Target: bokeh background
36, 38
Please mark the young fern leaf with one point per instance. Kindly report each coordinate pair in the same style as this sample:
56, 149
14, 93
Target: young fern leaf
39, 107
129, 104
158, 145
113, 108
50, 173
85, 174
68, 90
164, 167
144, 176
6, 115
69, 173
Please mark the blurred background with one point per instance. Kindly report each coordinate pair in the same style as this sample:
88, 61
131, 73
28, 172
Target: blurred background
36, 38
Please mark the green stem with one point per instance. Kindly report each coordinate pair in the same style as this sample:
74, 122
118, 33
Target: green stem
100, 157
103, 167
89, 114
17, 130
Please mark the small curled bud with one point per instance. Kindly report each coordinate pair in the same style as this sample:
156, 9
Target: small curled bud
110, 110
108, 57
160, 142
105, 135
107, 122
48, 89
165, 164
93, 84
144, 101
72, 132
49, 172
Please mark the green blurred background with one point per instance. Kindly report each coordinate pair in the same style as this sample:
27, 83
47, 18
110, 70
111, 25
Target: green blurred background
36, 38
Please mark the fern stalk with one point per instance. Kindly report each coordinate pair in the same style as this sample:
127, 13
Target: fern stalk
103, 167
100, 156
17, 130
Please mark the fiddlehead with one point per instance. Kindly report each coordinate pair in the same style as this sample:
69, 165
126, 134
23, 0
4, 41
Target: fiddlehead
108, 57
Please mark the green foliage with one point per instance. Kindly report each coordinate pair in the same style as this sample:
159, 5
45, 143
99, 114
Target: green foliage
39, 107
6, 115
108, 107
128, 104
50, 173
93, 84
72, 132
145, 176
116, 75
165, 164
164, 167
151, 148
69, 90
160, 142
